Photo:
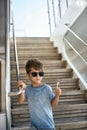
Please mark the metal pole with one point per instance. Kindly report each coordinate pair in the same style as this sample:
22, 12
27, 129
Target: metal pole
59, 6
67, 5
7, 66
54, 13
49, 16
16, 61
15, 51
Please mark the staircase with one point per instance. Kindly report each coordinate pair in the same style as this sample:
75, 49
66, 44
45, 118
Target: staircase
71, 112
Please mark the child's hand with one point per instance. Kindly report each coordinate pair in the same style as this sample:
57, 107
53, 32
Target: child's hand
21, 84
57, 92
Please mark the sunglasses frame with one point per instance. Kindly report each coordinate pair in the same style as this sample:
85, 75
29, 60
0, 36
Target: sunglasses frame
34, 74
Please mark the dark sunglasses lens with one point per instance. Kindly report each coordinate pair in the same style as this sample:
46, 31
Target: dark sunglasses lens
41, 74
34, 74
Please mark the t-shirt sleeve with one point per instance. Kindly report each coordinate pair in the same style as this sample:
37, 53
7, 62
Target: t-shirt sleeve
51, 93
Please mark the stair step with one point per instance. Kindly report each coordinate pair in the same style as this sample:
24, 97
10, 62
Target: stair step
34, 45
63, 114
72, 97
36, 54
81, 125
70, 113
54, 74
31, 40
66, 84
47, 65
63, 88
45, 53
45, 57
34, 50
21, 127
69, 97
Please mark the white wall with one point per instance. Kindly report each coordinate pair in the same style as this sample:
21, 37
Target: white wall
3, 107
70, 16
3, 86
2, 121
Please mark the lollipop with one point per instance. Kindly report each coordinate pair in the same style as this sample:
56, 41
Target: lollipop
58, 83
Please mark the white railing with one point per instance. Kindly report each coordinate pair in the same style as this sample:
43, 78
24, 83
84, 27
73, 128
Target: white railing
56, 9
82, 41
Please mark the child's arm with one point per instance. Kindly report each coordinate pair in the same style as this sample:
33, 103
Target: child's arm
21, 97
55, 100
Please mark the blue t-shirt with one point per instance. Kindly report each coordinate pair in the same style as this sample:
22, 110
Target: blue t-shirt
39, 102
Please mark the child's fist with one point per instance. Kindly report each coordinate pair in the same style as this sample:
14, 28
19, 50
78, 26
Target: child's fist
21, 84
57, 91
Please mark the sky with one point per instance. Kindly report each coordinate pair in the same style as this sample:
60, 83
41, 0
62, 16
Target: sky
31, 17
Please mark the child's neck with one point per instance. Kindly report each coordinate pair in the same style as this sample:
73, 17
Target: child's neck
36, 84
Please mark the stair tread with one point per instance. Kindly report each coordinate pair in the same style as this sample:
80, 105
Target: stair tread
63, 126
59, 107
48, 62
60, 70
72, 125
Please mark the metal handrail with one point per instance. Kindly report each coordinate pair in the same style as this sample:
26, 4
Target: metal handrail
77, 38
66, 25
16, 62
15, 93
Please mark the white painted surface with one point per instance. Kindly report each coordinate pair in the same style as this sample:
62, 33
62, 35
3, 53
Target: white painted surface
70, 16
2, 121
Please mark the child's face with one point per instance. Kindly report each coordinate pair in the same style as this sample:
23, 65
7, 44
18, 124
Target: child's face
36, 76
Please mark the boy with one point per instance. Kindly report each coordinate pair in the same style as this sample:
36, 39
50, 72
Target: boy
40, 97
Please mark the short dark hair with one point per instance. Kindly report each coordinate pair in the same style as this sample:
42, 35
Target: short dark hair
33, 63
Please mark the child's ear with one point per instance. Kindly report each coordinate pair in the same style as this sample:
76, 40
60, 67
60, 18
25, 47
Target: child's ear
27, 74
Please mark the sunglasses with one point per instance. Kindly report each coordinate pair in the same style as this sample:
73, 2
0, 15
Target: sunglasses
34, 74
